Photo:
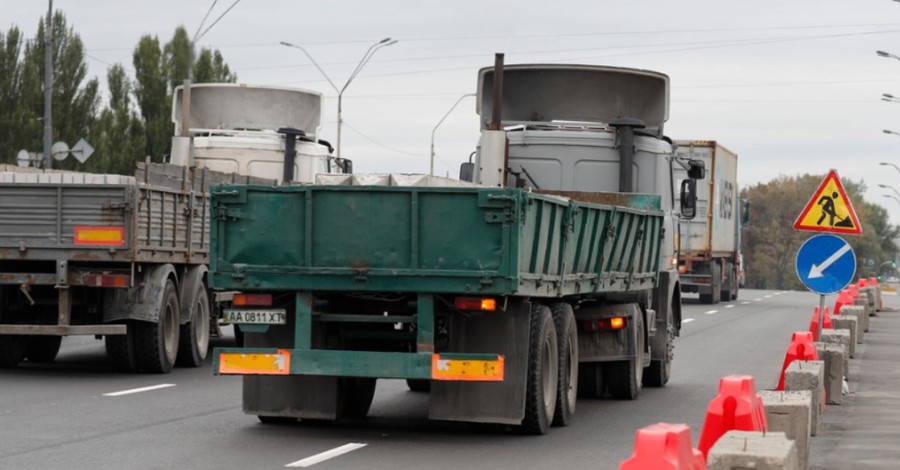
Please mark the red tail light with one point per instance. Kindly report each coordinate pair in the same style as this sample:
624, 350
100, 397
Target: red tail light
248, 300
485, 304
108, 280
605, 324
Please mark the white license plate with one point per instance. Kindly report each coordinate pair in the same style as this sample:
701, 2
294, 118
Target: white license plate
256, 317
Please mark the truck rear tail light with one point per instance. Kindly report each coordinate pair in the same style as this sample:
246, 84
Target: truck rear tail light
605, 324
247, 300
99, 236
476, 303
108, 280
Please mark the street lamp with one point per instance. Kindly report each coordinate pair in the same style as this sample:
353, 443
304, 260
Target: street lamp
431, 168
887, 186
365, 59
886, 54
888, 131
892, 197
889, 98
890, 164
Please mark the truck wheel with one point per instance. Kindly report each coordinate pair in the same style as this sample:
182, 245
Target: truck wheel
730, 284
156, 344
716, 282
276, 419
419, 385
567, 383
194, 335
658, 372
11, 353
541, 385
356, 396
120, 349
623, 378
590, 380
40, 348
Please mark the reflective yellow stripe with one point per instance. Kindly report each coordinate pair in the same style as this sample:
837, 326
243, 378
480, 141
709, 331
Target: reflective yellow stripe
99, 235
490, 370
255, 364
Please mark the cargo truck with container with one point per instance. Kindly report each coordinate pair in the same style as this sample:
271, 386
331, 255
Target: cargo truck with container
124, 258
548, 277
710, 261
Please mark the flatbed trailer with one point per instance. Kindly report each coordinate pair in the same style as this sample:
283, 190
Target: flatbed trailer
488, 297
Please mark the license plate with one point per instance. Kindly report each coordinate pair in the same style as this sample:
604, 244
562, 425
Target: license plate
256, 317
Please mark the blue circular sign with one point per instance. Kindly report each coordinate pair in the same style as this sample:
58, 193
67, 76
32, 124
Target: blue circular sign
826, 264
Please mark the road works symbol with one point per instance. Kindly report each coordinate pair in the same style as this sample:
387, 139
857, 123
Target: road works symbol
825, 264
829, 210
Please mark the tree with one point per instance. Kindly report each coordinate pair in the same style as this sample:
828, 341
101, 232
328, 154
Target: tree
119, 139
770, 243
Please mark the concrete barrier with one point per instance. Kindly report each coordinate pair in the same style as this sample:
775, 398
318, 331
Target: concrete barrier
863, 304
808, 375
789, 412
841, 338
861, 320
833, 356
752, 449
850, 324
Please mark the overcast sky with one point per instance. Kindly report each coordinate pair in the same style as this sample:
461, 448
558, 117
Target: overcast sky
791, 86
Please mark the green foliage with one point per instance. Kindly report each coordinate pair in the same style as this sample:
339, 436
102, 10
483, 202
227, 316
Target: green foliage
770, 243
134, 123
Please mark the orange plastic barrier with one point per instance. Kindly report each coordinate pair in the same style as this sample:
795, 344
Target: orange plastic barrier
664, 446
844, 298
814, 323
800, 349
736, 407
862, 282
854, 291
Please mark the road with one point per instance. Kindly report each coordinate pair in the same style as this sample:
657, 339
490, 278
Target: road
62, 416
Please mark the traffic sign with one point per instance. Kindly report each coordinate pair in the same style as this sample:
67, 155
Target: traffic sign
825, 263
829, 210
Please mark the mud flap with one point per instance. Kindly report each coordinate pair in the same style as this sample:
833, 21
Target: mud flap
498, 332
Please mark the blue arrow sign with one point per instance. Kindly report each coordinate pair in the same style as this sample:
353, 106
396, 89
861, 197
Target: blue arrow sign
825, 264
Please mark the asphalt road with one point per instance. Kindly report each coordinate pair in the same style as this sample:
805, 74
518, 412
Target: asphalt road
63, 416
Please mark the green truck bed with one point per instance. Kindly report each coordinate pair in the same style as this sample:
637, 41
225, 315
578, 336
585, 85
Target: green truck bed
490, 241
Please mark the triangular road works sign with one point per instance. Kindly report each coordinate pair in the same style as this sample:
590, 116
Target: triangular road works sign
829, 210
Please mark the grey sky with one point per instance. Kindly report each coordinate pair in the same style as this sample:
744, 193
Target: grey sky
791, 86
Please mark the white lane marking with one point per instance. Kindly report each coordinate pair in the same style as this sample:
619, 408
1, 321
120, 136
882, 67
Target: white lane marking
711, 312
729, 306
686, 320
757, 300
138, 390
745, 303
328, 454
770, 296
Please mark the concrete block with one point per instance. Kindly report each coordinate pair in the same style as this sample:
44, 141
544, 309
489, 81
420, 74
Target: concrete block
749, 449
846, 322
864, 304
861, 319
833, 355
839, 337
789, 412
808, 375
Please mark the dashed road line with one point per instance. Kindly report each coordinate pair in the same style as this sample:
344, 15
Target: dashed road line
745, 302
711, 312
757, 300
686, 320
729, 306
328, 454
138, 390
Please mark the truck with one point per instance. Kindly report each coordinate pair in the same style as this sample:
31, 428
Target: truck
547, 277
124, 258
710, 261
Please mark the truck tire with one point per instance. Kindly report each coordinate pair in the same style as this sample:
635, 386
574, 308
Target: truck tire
419, 385
41, 348
658, 372
541, 384
276, 419
730, 283
193, 341
715, 284
11, 351
356, 397
567, 383
623, 378
590, 380
120, 349
156, 344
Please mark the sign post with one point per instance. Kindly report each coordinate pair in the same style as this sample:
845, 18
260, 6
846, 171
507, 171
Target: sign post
826, 263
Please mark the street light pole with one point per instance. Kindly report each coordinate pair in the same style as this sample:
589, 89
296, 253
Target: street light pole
365, 59
431, 167
892, 197
887, 186
888, 131
887, 54
890, 164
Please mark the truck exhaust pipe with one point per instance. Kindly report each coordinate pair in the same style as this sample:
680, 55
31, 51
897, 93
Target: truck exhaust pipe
290, 151
625, 127
493, 158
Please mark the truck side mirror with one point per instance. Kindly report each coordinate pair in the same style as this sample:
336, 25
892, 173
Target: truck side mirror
696, 169
467, 172
745, 213
688, 198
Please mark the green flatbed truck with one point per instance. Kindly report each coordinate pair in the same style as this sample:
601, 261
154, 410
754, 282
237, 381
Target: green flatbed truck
504, 302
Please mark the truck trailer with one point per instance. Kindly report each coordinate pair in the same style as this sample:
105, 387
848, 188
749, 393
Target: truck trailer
710, 258
124, 258
548, 277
